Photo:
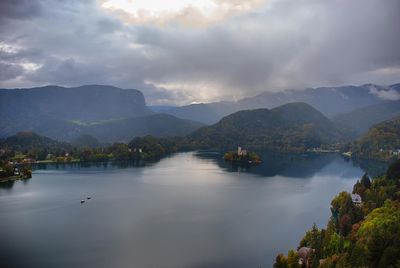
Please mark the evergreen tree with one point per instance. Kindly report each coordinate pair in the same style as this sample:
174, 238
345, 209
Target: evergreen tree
281, 261
393, 172
293, 259
365, 181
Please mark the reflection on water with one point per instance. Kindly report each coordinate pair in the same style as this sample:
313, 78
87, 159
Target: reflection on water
293, 165
106, 164
289, 165
9, 184
187, 210
6, 184
372, 167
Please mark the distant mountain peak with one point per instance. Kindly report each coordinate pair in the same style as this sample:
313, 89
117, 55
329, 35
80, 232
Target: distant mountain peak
26, 134
330, 101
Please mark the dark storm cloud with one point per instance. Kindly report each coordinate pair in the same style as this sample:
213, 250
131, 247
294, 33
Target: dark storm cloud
284, 44
329, 42
19, 9
9, 71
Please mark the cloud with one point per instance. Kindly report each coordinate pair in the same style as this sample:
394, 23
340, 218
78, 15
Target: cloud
196, 13
385, 94
288, 46
267, 46
19, 9
9, 71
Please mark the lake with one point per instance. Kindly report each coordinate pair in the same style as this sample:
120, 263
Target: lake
187, 210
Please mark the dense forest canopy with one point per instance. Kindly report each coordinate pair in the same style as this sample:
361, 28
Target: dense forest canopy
381, 142
292, 127
365, 234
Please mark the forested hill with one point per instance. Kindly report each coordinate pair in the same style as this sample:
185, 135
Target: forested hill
381, 142
29, 141
291, 127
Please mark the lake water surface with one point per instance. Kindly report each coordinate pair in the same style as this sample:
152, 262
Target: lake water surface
187, 210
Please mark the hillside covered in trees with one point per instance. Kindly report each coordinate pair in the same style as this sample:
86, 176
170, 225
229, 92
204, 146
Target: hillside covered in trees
363, 231
381, 142
293, 127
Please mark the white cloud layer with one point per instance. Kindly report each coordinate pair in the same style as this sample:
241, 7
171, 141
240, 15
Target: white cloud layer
192, 13
386, 94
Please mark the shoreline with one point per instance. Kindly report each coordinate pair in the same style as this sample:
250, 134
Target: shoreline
14, 178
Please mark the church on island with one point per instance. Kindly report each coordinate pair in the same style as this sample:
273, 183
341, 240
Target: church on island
241, 152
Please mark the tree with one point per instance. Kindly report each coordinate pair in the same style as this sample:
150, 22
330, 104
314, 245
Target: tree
345, 225
365, 181
333, 246
312, 238
315, 237
358, 255
25, 170
379, 235
86, 155
281, 261
293, 259
393, 172
7, 171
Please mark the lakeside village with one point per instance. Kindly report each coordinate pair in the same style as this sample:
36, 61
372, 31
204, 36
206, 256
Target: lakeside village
242, 156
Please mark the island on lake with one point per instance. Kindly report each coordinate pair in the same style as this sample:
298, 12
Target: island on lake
243, 156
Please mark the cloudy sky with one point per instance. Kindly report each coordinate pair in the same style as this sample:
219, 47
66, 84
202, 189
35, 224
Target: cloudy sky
184, 51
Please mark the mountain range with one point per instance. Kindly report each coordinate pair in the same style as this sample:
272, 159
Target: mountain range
292, 127
331, 101
86, 103
105, 112
112, 114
